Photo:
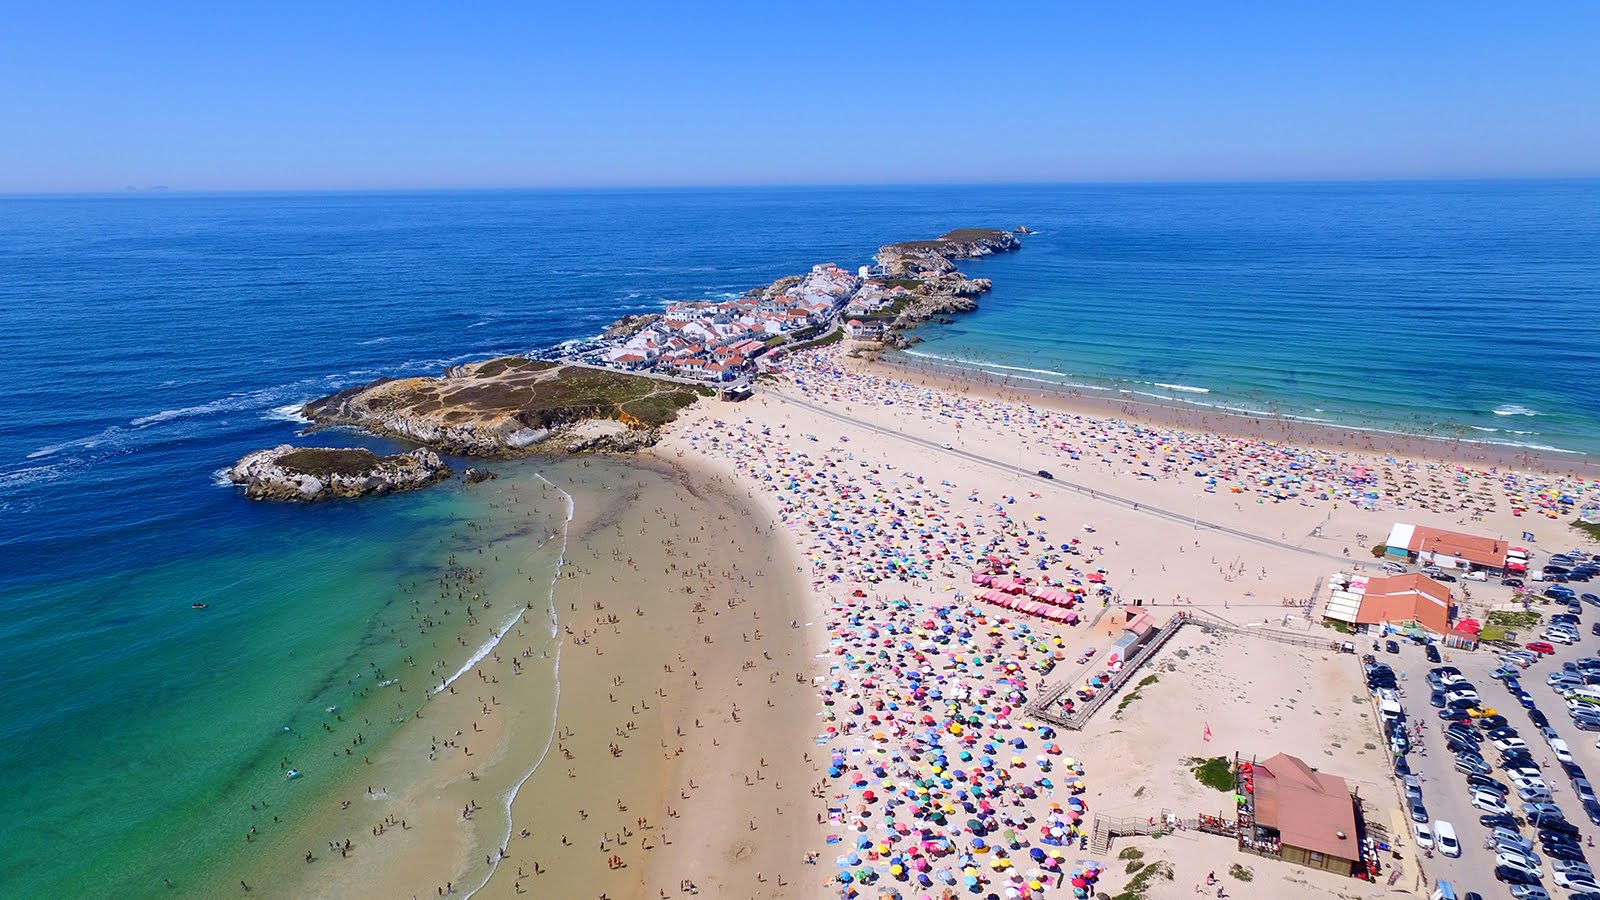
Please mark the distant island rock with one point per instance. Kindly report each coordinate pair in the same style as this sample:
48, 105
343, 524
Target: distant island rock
917, 259
286, 472
510, 405
926, 271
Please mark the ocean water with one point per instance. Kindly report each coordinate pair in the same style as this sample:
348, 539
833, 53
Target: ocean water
1464, 311
148, 341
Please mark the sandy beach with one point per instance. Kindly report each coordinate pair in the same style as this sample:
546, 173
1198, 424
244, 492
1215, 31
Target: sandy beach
775, 680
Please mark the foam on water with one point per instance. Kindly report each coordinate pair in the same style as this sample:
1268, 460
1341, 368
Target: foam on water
510, 796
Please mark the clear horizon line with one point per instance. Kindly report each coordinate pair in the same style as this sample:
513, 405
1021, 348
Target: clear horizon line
163, 190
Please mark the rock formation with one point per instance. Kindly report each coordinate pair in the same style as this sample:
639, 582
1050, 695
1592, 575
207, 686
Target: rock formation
506, 406
286, 472
915, 259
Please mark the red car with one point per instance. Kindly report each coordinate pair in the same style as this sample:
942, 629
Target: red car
1541, 647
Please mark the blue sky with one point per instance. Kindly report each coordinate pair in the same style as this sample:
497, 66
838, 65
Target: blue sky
220, 96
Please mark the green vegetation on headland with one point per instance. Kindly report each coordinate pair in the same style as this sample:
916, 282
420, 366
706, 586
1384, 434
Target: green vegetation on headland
958, 236
324, 463
506, 404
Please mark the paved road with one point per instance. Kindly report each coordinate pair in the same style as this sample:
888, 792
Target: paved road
1060, 483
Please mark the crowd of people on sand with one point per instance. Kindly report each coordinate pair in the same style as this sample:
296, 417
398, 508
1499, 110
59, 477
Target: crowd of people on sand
934, 781
1270, 471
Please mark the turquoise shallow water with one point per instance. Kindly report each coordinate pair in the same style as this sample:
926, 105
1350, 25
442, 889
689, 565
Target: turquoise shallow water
201, 712
147, 342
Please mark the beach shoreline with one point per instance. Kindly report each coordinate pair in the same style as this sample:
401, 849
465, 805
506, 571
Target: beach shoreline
1278, 428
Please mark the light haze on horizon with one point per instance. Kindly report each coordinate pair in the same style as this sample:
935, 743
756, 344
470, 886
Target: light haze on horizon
300, 96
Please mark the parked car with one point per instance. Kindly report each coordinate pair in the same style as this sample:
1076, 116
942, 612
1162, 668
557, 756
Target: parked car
1541, 647
1045, 474
1393, 568
1424, 836
1444, 836
1514, 875
1512, 582
1393, 647
1484, 782
1431, 652
1490, 802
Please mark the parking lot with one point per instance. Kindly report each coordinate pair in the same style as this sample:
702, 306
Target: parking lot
1445, 791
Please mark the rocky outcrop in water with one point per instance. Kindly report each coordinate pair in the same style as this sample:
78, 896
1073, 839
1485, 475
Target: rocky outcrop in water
286, 472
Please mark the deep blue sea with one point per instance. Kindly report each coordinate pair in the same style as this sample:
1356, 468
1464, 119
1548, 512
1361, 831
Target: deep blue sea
147, 341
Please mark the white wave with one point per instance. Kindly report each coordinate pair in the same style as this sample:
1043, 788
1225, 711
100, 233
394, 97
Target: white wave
31, 475
494, 641
986, 365
289, 412
220, 478
1512, 409
1186, 388
1050, 381
376, 340
1481, 428
107, 435
478, 324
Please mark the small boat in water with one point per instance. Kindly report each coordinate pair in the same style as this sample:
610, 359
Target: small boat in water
199, 606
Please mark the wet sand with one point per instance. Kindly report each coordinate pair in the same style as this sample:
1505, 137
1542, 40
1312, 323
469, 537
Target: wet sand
672, 752
680, 706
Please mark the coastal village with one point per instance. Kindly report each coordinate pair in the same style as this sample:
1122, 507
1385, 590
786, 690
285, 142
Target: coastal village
721, 341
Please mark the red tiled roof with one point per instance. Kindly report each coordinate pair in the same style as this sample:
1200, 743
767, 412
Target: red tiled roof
1309, 809
1406, 598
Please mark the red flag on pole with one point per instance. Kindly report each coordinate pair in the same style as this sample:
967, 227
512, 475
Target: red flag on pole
1207, 735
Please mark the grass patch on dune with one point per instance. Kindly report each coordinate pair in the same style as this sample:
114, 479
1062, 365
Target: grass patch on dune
1215, 772
1133, 695
1139, 885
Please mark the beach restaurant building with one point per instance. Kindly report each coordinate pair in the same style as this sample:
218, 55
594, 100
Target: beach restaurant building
1296, 813
1404, 602
1446, 549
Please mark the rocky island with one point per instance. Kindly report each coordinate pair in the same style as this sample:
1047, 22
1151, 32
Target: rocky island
925, 271
314, 473
511, 405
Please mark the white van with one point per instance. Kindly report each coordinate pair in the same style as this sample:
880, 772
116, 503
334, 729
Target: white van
1444, 836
